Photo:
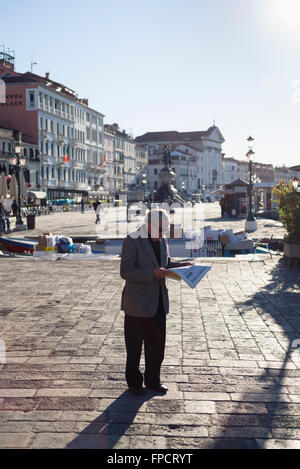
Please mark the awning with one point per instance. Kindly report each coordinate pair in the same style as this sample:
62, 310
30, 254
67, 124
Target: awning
38, 194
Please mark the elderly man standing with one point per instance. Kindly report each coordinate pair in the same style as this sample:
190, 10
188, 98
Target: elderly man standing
144, 262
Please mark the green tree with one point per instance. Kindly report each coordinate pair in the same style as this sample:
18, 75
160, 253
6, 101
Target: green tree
288, 201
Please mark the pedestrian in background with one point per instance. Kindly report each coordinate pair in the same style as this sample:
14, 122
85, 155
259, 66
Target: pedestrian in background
97, 207
4, 220
14, 208
222, 204
82, 205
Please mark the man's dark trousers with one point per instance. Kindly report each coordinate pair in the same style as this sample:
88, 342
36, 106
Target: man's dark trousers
151, 332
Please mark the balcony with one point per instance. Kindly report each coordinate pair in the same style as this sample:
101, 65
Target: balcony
48, 183
43, 133
5, 155
80, 185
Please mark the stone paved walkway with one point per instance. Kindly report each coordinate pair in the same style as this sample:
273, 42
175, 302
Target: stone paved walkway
233, 376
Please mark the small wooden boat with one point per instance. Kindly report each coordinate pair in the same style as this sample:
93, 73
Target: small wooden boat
17, 245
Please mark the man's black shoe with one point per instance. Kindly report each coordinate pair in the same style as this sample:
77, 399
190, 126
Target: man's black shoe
137, 391
159, 388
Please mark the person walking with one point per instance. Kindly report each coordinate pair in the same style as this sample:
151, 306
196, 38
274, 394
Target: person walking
222, 204
144, 262
4, 220
97, 207
14, 208
98, 211
82, 205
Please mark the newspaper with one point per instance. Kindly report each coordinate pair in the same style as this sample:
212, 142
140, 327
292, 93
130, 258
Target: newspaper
191, 274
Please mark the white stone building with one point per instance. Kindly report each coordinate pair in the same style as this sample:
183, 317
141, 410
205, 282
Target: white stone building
206, 146
231, 170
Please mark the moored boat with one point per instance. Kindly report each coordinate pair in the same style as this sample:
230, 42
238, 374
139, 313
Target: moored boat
17, 245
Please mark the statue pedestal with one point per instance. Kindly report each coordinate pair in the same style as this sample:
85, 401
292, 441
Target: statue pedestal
166, 189
166, 176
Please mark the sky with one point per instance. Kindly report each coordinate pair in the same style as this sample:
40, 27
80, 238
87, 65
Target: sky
173, 65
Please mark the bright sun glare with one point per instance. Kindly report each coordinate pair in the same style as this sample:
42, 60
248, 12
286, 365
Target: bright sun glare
288, 13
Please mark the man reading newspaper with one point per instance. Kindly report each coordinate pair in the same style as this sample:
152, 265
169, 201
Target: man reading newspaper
144, 262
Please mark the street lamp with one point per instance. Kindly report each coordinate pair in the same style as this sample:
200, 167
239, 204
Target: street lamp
251, 223
144, 182
18, 161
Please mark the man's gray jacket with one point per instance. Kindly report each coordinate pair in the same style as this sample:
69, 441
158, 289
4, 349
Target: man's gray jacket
138, 261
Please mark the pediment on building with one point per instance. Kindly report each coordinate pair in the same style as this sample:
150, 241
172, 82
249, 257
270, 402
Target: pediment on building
214, 134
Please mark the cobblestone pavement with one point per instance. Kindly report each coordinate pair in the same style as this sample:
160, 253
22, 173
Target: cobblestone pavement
76, 223
232, 371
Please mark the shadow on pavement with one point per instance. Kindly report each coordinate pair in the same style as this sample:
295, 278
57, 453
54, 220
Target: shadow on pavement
279, 299
106, 430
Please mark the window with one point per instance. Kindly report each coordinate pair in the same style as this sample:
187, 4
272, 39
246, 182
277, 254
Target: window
155, 171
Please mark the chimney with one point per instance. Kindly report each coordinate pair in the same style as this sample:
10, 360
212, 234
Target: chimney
47, 75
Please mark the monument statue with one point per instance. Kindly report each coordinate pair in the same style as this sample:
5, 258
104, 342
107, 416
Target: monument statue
167, 192
167, 159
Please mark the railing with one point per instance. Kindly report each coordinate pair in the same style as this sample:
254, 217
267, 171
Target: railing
5, 154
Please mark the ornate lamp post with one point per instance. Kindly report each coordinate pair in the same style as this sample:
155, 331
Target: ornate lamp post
251, 223
144, 182
18, 161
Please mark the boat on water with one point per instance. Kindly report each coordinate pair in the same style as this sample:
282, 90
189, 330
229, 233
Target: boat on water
17, 245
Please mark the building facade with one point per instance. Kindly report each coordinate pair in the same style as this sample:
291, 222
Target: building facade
205, 146
8, 139
68, 133
285, 174
230, 170
109, 160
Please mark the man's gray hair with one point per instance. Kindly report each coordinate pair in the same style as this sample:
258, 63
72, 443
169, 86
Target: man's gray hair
157, 217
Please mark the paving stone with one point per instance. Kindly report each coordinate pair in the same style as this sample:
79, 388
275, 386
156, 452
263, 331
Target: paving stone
179, 430
278, 444
16, 440
51, 440
63, 403
202, 407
